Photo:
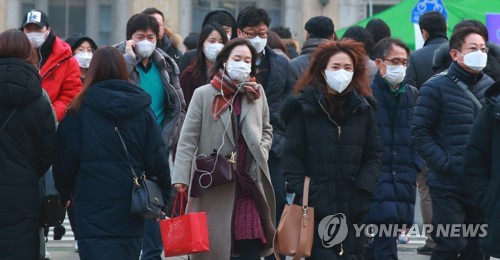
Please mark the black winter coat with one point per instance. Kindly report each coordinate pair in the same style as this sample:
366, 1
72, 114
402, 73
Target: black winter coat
394, 198
343, 164
482, 167
92, 165
27, 146
420, 66
443, 118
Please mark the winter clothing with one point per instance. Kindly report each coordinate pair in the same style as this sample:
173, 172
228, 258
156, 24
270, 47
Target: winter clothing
27, 145
92, 165
166, 46
343, 165
393, 201
442, 60
175, 107
299, 64
443, 119
77, 39
201, 134
186, 60
189, 83
420, 62
60, 73
482, 167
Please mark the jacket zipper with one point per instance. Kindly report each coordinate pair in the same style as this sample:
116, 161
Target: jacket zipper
339, 127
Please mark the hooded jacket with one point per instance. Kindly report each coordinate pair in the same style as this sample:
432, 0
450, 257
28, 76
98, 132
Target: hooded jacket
60, 73
443, 118
91, 163
482, 167
27, 145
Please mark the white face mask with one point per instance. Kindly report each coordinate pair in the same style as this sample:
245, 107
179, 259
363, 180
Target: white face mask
84, 59
238, 70
258, 43
211, 50
144, 48
394, 74
338, 80
475, 60
37, 38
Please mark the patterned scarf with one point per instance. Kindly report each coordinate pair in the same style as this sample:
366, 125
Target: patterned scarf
228, 89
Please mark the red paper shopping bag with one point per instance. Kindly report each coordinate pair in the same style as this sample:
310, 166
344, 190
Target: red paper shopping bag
186, 234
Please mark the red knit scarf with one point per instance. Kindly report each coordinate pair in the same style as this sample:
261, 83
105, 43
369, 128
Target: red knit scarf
228, 89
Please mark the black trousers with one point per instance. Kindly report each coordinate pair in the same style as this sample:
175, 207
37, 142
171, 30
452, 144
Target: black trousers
449, 207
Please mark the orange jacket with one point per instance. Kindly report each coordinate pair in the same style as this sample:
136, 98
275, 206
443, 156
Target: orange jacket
61, 77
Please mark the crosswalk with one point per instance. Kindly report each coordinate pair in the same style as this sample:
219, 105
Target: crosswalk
68, 236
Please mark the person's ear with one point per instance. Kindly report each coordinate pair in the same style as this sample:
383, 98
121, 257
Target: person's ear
309, 36
238, 31
454, 54
425, 34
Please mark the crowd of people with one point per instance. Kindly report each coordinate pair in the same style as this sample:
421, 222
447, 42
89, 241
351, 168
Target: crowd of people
367, 119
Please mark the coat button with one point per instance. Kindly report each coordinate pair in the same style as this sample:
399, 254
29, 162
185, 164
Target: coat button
394, 172
394, 152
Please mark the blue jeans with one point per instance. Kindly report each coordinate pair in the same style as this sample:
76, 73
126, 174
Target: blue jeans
152, 246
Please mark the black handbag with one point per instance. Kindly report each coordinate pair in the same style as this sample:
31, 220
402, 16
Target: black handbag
51, 213
147, 199
212, 170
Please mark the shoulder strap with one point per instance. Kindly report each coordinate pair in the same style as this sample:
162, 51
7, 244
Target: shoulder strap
8, 119
465, 88
126, 152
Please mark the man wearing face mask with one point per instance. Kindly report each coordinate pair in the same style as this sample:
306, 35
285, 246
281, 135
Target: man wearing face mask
273, 72
157, 73
59, 70
443, 118
393, 200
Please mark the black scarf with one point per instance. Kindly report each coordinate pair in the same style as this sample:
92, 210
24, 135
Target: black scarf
46, 49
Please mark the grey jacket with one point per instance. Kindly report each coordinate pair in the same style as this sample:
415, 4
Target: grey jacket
300, 63
176, 106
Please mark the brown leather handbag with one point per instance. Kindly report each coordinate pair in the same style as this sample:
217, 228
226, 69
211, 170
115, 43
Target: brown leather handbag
212, 170
295, 233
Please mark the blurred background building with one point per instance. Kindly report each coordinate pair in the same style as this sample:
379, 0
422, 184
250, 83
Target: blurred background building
105, 20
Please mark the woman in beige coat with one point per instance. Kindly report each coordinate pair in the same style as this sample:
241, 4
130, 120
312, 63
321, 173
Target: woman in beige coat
231, 115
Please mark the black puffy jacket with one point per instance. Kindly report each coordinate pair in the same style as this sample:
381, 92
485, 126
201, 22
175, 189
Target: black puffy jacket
27, 146
443, 119
482, 167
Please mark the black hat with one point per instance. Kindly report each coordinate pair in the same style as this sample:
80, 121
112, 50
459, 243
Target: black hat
320, 27
36, 17
77, 39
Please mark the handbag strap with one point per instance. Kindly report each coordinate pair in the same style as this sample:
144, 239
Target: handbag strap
180, 198
466, 89
8, 119
305, 221
136, 179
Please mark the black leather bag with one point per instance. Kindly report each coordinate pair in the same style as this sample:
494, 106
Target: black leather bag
212, 170
147, 200
51, 212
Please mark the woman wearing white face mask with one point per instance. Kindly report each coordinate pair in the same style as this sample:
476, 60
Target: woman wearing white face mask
332, 137
211, 40
230, 116
83, 48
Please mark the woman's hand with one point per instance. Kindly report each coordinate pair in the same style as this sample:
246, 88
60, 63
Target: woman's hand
179, 187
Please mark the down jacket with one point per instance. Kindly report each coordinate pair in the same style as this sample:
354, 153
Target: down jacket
482, 167
27, 146
394, 198
91, 165
443, 119
344, 164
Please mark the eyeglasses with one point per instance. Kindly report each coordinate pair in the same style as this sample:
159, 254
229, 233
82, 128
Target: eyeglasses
252, 34
473, 49
398, 61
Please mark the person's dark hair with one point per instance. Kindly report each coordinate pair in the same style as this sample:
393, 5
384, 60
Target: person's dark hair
223, 55
458, 37
222, 17
383, 47
107, 63
142, 22
282, 32
152, 11
15, 44
275, 42
191, 40
433, 22
313, 76
199, 60
378, 29
252, 16
77, 39
360, 34
473, 23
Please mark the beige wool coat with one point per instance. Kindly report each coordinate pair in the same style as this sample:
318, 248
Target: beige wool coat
201, 134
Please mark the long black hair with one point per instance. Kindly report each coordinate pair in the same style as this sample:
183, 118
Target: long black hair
199, 62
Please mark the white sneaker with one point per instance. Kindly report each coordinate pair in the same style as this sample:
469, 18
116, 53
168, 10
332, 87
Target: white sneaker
75, 245
403, 238
47, 254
